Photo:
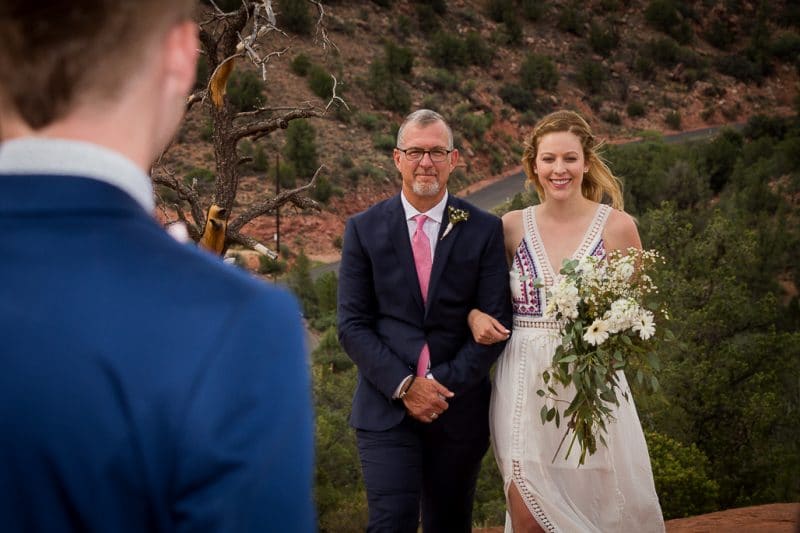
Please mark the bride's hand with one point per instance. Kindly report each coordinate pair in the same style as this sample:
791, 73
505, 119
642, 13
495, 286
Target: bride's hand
485, 328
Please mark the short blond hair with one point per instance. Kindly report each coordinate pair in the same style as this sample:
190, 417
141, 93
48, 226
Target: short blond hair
599, 182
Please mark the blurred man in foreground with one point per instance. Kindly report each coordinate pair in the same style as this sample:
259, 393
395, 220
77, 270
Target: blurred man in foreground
144, 385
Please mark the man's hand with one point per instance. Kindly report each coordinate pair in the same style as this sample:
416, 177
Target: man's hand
426, 399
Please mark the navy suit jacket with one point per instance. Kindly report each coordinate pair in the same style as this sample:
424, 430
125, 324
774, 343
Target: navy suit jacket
383, 322
144, 384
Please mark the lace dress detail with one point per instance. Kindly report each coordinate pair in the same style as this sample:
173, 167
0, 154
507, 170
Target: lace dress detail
614, 489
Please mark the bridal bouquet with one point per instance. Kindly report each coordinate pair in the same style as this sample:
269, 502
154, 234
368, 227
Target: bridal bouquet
609, 309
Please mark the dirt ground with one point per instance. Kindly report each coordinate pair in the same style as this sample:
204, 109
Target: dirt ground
772, 518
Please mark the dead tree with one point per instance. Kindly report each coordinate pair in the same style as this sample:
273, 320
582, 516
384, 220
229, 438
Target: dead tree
229, 39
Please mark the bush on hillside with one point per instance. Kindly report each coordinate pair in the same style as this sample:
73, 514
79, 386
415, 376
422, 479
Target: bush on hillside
320, 82
538, 72
293, 15
665, 16
300, 64
602, 38
301, 148
245, 90
682, 477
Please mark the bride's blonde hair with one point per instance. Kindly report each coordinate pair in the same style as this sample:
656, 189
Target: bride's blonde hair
599, 181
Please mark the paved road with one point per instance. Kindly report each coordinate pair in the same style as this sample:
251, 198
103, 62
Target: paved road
503, 190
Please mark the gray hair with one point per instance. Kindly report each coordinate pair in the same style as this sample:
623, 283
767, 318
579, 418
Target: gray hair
424, 117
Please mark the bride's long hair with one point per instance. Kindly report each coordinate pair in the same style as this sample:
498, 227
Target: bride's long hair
599, 182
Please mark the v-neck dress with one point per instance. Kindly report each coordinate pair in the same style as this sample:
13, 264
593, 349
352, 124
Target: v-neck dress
613, 491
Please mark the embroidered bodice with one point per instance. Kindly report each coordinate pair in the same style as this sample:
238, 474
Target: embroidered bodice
531, 264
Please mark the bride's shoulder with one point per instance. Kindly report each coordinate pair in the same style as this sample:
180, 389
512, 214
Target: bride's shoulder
621, 231
512, 216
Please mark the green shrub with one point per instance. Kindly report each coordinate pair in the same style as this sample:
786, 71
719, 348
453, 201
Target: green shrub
612, 117
323, 189
427, 20
383, 141
570, 20
739, 67
786, 46
202, 175
635, 109
286, 174
260, 160
300, 148
719, 35
591, 76
516, 97
447, 50
441, 80
293, 15
387, 91
474, 125
538, 72
271, 267
478, 52
683, 481
603, 39
398, 59
207, 131
244, 90
663, 51
202, 73
664, 16
498, 10
533, 9
368, 121
765, 126
320, 82
300, 64
673, 119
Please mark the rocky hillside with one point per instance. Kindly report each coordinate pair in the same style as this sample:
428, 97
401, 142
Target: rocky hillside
493, 67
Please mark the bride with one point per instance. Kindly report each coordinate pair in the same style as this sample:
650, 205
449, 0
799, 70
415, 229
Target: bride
613, 490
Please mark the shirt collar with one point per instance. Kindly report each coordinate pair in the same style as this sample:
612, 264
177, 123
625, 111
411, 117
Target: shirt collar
38, 155
435, 213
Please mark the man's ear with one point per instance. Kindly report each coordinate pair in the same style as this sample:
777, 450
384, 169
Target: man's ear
396, 155
180, 60
453, 158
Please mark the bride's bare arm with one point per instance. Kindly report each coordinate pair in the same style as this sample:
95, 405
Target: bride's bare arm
485, 328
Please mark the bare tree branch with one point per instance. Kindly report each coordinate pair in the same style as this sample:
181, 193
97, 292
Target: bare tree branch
199, 96
293, 196
262, 128
321, 34
244, 240
334, 97
162, 176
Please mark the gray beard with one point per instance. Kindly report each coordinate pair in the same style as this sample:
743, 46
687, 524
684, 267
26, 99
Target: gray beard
425, 189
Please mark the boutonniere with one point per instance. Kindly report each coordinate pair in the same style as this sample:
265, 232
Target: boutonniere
455, 216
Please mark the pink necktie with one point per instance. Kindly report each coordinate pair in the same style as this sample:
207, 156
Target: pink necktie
421, 246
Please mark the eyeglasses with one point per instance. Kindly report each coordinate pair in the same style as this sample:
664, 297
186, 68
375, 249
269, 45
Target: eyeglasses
438, 155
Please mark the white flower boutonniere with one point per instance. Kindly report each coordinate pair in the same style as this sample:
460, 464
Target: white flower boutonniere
455, 216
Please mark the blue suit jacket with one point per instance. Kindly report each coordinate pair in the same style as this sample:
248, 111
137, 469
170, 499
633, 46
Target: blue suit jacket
383, 323
144, 385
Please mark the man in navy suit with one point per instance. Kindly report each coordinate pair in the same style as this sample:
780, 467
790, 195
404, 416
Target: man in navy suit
144, 384
421, 405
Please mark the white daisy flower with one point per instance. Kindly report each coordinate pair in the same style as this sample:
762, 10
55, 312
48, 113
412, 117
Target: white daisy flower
597, 333
644, 325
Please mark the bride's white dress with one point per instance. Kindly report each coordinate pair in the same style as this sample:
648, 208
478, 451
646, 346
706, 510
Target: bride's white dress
613, 490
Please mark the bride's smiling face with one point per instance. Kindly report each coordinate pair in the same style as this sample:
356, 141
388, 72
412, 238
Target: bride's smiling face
560, 165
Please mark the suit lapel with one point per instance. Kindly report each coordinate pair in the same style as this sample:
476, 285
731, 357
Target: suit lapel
398, 233
443, 248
